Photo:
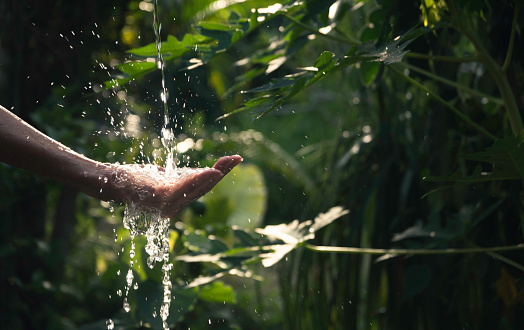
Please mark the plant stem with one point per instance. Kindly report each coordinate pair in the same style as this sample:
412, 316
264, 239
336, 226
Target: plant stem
452, 83
509, 53
499, 75
443, 58
445, 103
506, 260
355, 250
346, 40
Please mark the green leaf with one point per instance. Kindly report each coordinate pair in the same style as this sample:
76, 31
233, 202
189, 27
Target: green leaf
291, 234
369, 71
324, 219
244, 238
130, 71
171, 47
150, 294
295, 233
190, 40
237, 36
418, 277
419, 230
218, 26
324, 60
135, 69
391, 53
507, 157
507, 153
201, 280
244, 193
183, 301
218, 292
275, 84
224, 38
204, 244
278, 252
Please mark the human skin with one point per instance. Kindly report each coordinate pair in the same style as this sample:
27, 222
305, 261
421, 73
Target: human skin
23, 146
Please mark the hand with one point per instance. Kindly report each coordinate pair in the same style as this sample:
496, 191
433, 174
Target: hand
148, 186
152, 189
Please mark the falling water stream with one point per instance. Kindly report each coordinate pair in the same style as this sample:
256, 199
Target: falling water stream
168, 137
153, 225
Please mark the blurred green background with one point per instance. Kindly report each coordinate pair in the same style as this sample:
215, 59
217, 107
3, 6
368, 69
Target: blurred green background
342, 126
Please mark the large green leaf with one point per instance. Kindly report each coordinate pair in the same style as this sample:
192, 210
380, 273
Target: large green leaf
244, 194
295, 233
130, 71
507, 153
171, 47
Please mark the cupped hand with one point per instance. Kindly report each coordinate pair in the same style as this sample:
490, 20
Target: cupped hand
149, 187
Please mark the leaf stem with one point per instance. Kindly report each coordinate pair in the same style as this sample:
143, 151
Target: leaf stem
445, 103
355, 250
443, 58
509, 54
452, 83
346, 40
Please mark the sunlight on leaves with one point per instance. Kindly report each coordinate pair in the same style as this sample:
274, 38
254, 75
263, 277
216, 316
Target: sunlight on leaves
234, 260
295, 233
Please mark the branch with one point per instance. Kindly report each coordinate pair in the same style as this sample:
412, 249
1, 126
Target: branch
355, 250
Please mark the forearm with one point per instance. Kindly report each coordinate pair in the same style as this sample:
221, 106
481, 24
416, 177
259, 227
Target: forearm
23, 146
148, 186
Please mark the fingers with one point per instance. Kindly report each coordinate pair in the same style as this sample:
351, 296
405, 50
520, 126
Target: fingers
226, 164
199, 184
190, 189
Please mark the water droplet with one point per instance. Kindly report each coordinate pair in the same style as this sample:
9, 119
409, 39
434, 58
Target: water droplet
129, 278
126, 306
110, 324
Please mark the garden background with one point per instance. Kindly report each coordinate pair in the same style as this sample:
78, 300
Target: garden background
407, 114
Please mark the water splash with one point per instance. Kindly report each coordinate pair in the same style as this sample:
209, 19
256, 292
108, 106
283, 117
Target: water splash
152, 224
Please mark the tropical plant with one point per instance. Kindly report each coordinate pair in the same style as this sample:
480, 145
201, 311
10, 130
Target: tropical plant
399, 120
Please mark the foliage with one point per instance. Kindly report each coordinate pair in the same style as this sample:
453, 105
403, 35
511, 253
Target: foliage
369, 105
